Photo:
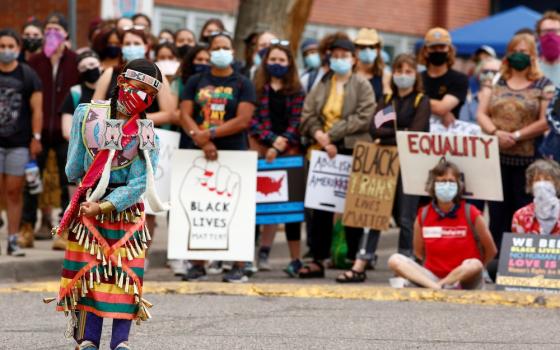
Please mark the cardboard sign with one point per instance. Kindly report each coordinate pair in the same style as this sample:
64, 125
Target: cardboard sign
476, 156
373, 182
213, 206
280, 190
529, 263
327, 182
168, 143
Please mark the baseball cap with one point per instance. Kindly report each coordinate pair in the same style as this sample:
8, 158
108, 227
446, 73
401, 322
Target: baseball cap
367, 37
437, 36
57, 18
343, 44
488, 49
308, 44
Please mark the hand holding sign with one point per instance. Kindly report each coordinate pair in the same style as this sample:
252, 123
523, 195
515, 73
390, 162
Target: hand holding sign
217, 190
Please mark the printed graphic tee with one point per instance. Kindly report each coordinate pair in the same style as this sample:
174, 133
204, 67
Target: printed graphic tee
15, 109
215, 101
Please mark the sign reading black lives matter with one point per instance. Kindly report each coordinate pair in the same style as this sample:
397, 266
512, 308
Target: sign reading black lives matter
373, 182
477, 157
529, 263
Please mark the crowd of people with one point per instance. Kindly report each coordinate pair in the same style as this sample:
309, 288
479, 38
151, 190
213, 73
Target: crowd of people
267, 103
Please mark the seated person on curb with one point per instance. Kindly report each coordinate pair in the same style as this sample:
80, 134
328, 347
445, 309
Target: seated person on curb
450, 237
543, 215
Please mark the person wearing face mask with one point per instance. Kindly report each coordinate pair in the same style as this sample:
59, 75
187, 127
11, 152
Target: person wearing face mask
263, 43
107, 45
32, 39
370, 62
412, 111
446, 87
166, 59
184, 40
548, 31
216, 109
542, 216
212, 25
514, 110
57, 68
274, 132
336, 114
451, 238
485, 74
103, 269
20, 133
312, 64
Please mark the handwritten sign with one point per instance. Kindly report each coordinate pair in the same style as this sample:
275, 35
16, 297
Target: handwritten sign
280, 190
476, 156
168, 143
372, 186
213, 206
529, 263
327, 181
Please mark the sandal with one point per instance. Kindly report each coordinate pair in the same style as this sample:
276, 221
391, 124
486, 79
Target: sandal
355, 277
308, 272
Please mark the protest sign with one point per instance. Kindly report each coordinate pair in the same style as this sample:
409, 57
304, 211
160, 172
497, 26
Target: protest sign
213, 206
327, 181
529, 263
280, 190
477, 157
168, 143
372, 186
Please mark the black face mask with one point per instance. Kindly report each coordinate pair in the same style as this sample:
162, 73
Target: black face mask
437, 58
183, 50
90, 75
32, 44
112, 51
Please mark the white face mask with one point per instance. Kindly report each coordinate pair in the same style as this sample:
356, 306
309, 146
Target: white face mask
547, 205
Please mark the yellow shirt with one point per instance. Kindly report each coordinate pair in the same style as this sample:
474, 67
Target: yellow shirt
332, 111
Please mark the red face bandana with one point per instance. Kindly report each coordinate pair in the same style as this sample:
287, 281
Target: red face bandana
133, 101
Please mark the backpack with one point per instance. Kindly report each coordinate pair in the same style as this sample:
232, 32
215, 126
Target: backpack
417, 100
468, 207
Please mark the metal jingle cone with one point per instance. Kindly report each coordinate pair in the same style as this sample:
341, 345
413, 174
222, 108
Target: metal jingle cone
97, 276
65, 302
82, 236
121, 280
119, 260
105, 273
86, 243
84, 287
135, 288
127, 284
92, 250
100, 256
138, 211
144, 239
144, 245
148, 237
137, 246
134, 252
102, 218
118, 217
128, 253
116, 276
111, 219
110, 268
75, 228
48, 300
90, 280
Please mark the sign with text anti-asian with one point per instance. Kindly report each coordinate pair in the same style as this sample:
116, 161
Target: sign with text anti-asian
372, 186
477, 157
529, 263
213, 206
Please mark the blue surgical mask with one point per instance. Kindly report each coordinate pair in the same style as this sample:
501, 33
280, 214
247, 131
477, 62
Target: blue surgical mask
404, 81
446, 191
312, 60
367, 55
341, 66
221, 58
133, 52
277, 70
257, 60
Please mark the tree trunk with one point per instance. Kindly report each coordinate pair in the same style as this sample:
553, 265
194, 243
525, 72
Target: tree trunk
285, 18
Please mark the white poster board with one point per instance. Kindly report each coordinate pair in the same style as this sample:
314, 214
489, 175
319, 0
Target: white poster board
477, 157
327, 181
168, 143
213, 206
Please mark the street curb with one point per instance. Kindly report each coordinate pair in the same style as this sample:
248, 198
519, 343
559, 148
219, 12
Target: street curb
23, 270
373, 293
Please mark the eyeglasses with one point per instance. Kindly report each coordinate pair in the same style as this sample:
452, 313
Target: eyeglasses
215, 34
135, 27
280, 42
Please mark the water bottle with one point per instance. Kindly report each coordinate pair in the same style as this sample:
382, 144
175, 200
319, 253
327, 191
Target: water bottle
33, 178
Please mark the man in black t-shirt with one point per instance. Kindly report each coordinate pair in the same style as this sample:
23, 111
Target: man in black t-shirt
446, 87
20, 129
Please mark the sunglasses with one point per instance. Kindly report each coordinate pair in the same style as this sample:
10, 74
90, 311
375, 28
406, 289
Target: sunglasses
134, 27
280, 42
361, 47
223, 33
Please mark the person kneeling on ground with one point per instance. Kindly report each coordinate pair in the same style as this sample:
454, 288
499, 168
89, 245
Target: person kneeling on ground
451, 237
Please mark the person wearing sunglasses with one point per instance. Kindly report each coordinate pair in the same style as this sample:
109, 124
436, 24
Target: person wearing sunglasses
216, 110
103, 269
451, 238
485, 74
264, 41
370, 62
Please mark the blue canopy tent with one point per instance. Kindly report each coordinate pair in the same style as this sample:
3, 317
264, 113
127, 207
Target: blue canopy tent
495, 31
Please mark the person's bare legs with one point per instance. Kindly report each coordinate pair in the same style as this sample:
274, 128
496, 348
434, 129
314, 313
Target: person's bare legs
295, 250
467, 274
267, 235
14, 200
409, 269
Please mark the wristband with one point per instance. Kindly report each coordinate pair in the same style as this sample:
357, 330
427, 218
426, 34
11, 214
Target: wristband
106, 207
277, 150
212, 132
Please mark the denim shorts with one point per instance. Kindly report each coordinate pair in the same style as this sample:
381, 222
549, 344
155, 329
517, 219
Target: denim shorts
13, 160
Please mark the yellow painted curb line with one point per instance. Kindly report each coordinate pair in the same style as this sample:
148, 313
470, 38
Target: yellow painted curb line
367, 292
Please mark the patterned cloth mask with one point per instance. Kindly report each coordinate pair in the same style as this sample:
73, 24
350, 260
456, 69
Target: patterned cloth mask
133, 101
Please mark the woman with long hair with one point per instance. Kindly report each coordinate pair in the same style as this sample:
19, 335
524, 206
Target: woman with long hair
102, 273
514, 110
370, 62
274, 132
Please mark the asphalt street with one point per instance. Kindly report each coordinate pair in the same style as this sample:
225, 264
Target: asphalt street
235, 322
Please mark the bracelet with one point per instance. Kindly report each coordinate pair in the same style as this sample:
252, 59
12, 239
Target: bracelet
106, 207
212, 132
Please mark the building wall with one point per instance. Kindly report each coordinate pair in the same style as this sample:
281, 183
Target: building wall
21, 10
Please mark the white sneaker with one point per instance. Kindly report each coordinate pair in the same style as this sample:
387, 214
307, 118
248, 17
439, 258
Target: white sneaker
215, 267
178, 266
399, 282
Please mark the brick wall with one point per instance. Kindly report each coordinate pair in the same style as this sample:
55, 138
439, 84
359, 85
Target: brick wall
21, 10
228, 6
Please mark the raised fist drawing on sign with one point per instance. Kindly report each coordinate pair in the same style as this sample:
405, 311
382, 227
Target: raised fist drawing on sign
209, 195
